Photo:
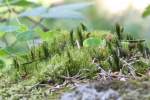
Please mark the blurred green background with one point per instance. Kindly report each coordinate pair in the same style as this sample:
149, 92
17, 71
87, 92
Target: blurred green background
67, 14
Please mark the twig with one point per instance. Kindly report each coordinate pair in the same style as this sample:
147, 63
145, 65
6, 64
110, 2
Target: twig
30, 19
38, 23
57, 87
34, 86
131, 68
112, 75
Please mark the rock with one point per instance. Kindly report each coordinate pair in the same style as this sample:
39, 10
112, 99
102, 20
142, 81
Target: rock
110, 90
90, 93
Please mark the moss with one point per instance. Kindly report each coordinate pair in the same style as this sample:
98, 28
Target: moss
141, 67
57, 58
60, 57
70, 63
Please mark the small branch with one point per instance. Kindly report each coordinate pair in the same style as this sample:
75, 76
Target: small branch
44, 28
131, 68
38, 24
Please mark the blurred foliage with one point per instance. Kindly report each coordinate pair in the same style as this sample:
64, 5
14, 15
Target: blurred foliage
25, 24
146, 12
33, 48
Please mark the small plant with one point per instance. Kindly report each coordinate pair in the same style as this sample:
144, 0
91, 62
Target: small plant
60, 51
72, 38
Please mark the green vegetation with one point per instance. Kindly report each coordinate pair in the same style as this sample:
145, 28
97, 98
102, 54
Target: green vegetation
70, 54
40, 60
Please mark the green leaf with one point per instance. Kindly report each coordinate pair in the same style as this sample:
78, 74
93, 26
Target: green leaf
22, 28
46, 36
3, 53
20, 47
65, 14
24, 36
22, 3
43, 12
146, 12
93, 42
18, 2
38, 11
2, 34
65, 11
9, 39
74, 6
10, 28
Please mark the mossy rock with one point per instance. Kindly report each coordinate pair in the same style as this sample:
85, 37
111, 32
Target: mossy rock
111, 90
